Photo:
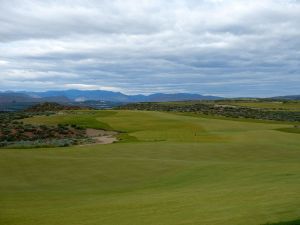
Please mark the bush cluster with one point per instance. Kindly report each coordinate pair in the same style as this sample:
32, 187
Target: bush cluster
14, 133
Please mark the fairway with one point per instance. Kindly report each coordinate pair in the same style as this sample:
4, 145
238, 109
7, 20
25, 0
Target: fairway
167, 169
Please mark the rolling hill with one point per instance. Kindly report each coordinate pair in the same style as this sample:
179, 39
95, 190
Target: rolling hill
167, 169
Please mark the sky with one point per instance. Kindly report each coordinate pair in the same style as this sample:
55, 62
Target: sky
227, 48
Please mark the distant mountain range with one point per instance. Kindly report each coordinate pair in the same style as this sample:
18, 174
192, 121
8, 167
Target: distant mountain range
10, 97
96, 95
288, 97
108, 96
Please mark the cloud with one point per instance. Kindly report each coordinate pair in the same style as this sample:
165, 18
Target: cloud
230, 48
3, 62
90, 87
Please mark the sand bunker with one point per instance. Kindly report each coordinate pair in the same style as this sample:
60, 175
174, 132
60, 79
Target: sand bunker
102, 136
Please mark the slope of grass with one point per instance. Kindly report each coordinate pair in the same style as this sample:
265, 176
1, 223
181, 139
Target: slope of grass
82, 118
229, 173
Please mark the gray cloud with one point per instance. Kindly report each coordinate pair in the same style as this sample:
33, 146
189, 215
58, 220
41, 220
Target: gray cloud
230, 48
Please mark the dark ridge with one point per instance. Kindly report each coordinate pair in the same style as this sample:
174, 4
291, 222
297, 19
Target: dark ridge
53, 106
294, 222
288, 97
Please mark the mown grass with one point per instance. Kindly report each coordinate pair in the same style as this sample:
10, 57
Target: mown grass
86, 119
230, 173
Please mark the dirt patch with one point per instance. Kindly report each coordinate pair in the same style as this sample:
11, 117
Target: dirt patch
102, 136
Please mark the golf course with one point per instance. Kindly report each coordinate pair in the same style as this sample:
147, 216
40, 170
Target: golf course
166, 168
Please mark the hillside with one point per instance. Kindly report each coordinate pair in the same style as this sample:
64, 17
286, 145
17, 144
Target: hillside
167, 169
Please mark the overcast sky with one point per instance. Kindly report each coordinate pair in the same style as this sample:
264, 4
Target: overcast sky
226, 48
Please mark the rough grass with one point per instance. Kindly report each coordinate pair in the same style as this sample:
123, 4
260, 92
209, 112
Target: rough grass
290, 130
234, 173
294, 222
276, 105
269, 105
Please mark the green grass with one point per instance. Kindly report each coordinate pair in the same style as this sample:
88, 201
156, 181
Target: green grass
86, 119
171, 170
